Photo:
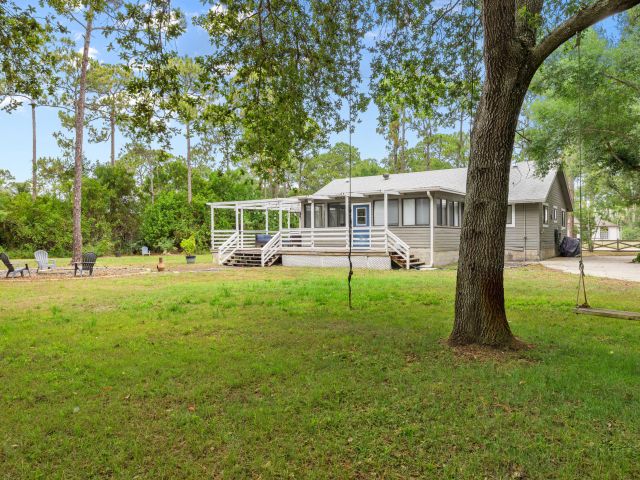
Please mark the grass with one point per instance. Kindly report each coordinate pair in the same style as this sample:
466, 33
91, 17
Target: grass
265, 373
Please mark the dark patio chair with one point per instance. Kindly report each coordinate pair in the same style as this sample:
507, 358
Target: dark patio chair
11, 270
87, 263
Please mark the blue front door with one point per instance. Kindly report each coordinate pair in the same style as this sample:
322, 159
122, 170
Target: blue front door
361, 223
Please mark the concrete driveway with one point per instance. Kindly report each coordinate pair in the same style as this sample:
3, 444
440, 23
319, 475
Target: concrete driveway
616, 267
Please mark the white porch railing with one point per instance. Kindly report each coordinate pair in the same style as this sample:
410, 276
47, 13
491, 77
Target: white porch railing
271, 248
247, 238
399, 246
318, 239
365, 238
228, 248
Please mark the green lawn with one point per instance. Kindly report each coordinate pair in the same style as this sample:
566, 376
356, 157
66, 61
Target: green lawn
264, 373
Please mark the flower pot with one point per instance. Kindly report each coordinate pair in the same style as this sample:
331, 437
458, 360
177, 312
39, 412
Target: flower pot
191, 258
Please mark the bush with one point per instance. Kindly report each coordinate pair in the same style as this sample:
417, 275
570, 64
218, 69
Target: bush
637, 259
188, 245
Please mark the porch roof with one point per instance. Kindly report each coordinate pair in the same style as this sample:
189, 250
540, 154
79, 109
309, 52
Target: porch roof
288, 204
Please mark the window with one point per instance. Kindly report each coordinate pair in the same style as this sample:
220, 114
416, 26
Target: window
415, 211
555, 214
563, 218
545, 215
441, 207
337, 215
456, 214
511, 217
319, 216
409, 211
378, 212
361, 219
307, 215
422, 211
604, 233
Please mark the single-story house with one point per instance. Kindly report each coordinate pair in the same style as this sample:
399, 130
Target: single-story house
406, 220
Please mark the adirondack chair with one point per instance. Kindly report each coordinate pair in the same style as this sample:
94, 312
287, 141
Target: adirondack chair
145, 251
87, 263
42, 258
11, 270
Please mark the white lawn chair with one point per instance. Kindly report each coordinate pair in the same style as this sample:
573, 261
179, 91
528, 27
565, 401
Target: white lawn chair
42, 258
145, 251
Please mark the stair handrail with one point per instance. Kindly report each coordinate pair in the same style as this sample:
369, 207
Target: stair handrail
400, 247
228, 248
270, 248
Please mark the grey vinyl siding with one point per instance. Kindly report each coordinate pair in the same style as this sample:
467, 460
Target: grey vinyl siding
447, 239
415, 237
554, 199
527, 223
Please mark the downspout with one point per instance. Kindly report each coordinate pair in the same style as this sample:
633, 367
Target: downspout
431, 230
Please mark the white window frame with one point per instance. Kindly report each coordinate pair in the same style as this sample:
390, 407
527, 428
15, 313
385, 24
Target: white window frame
513, 216
563, 219
543, 206
404, 200
555, 214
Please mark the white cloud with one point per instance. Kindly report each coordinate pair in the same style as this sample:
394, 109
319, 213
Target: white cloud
93, 52
17, 99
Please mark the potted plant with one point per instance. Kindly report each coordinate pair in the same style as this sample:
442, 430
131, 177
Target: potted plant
188, 246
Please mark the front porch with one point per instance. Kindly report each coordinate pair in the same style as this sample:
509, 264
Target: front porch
370, 246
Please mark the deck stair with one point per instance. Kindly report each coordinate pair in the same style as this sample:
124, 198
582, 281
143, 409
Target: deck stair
251, 257
400, 261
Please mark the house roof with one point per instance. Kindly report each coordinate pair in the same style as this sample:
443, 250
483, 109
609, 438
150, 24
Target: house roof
524, 185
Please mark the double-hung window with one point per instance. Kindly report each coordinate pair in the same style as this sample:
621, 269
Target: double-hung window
511, 216
415, 211
545, 215
336, 215
393, 216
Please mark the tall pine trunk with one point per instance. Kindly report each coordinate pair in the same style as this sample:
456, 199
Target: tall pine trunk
188, 162
34, 158
79, 127
112, 123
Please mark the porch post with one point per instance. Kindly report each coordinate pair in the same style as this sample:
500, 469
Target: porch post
313, 221
280, 218
213, 229
242, 228
266, 220
347, 211
386, 220
432, 222
289, 219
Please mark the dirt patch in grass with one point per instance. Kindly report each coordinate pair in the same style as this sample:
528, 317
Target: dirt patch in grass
482, 353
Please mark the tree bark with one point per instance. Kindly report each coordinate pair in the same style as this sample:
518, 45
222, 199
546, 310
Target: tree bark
79, 128
34, 158
112, 122
188, 162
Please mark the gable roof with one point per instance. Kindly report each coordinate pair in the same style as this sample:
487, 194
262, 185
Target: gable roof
524, 185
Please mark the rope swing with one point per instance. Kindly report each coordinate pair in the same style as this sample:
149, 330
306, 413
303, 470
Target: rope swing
583, 306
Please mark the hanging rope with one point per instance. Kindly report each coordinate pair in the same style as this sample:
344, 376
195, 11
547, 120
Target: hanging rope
350, 226
582, 286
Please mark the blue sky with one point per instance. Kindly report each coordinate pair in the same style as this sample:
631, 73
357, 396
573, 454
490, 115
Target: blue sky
15, 128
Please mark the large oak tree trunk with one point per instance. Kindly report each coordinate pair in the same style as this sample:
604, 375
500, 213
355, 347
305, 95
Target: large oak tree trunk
79, 127
480, 314
511, 57
34, 158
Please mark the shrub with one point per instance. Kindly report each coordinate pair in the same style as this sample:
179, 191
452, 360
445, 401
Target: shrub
188, 245
637, 259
